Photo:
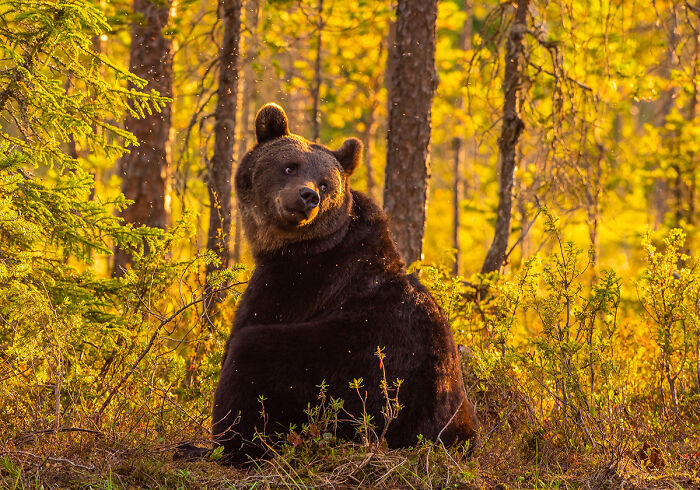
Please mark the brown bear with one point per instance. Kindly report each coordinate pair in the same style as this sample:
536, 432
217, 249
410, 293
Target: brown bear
328, 289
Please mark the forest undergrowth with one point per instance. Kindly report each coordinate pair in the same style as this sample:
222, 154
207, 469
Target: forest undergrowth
580, 379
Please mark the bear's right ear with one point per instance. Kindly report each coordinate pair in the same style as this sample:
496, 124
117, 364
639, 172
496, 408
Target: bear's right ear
349, 155
271, 122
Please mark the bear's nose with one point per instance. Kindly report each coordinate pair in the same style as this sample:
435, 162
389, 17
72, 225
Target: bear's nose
309, 197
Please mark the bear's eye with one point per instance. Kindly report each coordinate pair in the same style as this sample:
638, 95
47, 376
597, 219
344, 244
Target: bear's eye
323, 187
290, 170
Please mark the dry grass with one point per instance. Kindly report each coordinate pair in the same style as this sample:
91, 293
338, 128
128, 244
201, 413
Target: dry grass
73, 459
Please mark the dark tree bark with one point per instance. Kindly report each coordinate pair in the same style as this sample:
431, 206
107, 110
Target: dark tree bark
458, 151
511, 129
144, 170
458, 144
592, 192
392, 57
413, 83
221, 164
368, 136
370, 133
692, 115
316, 92
663, 189
247, 132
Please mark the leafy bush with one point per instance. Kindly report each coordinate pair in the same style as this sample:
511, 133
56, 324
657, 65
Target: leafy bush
669, 290
552, 355
78, 349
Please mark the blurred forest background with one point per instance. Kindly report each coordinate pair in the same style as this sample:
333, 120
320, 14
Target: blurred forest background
553, 214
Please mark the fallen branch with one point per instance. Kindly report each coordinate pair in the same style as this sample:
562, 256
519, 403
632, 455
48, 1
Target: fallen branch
29, 436
47, 459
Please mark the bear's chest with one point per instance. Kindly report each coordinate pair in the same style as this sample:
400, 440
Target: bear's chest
293, 292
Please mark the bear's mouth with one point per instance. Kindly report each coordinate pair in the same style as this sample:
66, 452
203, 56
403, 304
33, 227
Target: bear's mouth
296, 217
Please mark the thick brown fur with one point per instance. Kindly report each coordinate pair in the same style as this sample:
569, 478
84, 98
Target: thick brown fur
328, 289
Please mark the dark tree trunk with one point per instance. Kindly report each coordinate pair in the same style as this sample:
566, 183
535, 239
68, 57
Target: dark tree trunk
413, 83
458, 149
317, 73
524, 221
370, 133
511, 129
686, 184
392, 58
221, 164
144, 170
247, 132
692, 115
662, 189
368, 136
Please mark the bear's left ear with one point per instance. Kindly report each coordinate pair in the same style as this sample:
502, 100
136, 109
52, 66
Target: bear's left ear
270, 123
349, 155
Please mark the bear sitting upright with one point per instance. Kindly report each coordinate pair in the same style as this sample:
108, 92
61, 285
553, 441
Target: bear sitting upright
328, 289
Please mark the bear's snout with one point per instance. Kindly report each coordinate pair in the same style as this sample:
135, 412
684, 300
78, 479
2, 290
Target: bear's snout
309, 198
298, 206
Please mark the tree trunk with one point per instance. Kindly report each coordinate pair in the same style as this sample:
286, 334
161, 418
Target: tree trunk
458, 149
692, 174
317, 74
368, 136
247, 101
144, 170
392, 59
511, 129
221, 164
413, 84
370, 133
662, 189
671, 386
592, 191
697, 360
524, 221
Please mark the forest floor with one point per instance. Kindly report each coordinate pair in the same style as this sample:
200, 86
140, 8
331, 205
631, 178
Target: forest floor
85, 460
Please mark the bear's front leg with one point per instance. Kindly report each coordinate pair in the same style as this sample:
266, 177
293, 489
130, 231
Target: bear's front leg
272, 373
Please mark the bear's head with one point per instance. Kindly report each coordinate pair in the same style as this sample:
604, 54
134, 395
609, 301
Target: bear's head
291, 190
